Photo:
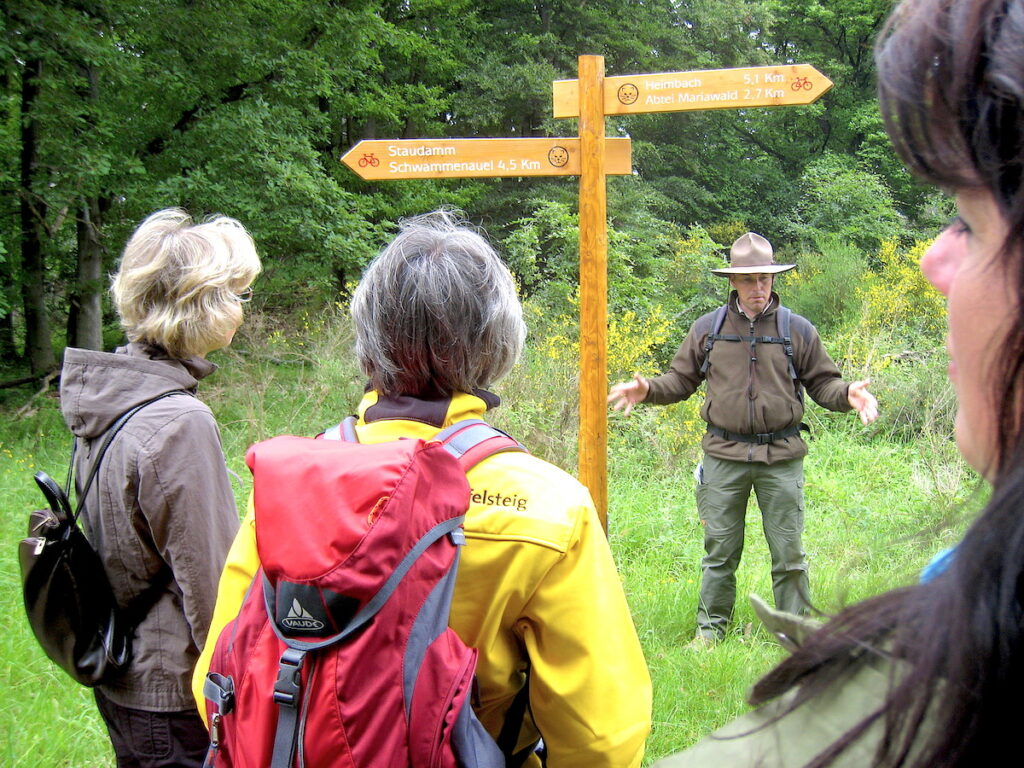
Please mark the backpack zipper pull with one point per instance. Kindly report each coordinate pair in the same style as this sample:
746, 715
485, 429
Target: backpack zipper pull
40, 544
215, 730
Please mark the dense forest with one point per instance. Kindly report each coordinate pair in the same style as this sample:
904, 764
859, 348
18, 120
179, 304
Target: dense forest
112, 109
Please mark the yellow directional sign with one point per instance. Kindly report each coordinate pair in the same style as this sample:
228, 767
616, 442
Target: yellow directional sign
773, 86
376, 159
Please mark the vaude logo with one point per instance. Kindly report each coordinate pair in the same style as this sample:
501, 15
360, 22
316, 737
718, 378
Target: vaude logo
299, 618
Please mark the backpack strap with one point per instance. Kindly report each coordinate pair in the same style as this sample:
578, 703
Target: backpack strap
473, 440
785, 338
107, 440
470, 440
784, 316
509, 735
716, 326
141, 604
288, 689
344, 430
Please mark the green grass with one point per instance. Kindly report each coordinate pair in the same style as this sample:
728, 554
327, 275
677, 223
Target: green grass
868, 499
866, 507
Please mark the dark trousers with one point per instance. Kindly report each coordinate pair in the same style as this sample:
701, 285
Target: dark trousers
154, 739
722, 498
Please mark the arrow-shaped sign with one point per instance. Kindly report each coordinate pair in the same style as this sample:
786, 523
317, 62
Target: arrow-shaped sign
774, 86
376, 159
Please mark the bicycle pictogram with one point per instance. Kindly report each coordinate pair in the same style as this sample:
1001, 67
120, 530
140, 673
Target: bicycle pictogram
368, 159
802, 83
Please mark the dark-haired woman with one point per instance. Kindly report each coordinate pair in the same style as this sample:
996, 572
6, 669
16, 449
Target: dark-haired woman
933, 674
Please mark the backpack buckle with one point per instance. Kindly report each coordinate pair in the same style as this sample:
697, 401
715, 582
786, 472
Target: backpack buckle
289, 677
764, 438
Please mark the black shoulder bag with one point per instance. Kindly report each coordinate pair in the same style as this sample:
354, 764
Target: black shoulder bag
68, 597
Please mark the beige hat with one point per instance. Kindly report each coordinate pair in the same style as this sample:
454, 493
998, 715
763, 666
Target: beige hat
751, 254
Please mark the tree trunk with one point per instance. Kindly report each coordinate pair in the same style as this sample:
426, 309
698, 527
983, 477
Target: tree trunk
85, 315
8, 349
38, 344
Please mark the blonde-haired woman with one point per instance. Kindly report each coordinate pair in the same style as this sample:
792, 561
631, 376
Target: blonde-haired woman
161, 512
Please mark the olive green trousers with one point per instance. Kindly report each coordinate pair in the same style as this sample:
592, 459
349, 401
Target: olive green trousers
723, 489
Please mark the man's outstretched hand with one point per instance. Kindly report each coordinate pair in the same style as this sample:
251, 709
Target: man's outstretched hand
863, 401
628, 393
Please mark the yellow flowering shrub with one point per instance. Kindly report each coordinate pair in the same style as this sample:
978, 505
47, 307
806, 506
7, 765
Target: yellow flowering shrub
899, 310
632, 341
632, 338
727, 231
898, 296
679, 427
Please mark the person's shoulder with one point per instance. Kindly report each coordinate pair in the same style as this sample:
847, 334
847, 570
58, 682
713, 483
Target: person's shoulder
798, 324
704, 323
518, 496
176, 417
177, 406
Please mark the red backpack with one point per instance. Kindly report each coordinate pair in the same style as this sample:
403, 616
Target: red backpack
341, 654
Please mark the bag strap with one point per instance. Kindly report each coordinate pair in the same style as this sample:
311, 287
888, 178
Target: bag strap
107, 440
288, 689
473, 440
784, 338
346, 430
141, 604
784, 316
470, 440
716, 326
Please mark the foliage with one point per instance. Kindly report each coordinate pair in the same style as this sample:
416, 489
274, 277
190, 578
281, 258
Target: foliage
827, 287
244, 107
845, 201
898, 296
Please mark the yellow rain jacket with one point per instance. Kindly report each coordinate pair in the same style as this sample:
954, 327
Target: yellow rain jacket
536, 588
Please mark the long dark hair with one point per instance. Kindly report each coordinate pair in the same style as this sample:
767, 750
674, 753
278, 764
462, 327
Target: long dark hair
951, 84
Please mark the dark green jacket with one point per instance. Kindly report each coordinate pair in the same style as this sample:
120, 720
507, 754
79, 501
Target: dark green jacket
752, 396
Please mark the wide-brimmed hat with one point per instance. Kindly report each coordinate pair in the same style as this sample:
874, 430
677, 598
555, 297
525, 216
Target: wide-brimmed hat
751, 254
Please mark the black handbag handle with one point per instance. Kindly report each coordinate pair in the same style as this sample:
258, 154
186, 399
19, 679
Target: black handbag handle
111, 433
55, 495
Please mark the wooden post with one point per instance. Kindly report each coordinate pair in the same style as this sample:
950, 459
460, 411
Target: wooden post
593, 432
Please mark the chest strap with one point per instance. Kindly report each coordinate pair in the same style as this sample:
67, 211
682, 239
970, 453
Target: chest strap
785, 339
783, 316
761, 438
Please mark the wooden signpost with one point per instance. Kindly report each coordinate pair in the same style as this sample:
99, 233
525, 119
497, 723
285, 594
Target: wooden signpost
783, 86
377, 159
592, 157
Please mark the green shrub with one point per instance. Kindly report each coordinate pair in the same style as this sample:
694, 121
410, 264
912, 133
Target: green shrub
826, 288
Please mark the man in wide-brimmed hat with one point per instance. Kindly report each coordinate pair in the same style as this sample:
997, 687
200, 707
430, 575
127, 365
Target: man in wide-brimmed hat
757, 358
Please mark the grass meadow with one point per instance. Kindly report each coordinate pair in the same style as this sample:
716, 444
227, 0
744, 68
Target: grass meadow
879, 503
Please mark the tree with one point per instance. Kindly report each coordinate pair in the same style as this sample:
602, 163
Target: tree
113, 109
841, 199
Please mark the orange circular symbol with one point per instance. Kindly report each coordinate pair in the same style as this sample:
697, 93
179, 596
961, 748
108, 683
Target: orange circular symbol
628, 93
558, 156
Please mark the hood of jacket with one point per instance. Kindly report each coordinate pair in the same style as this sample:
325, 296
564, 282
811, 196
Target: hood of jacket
97, 387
